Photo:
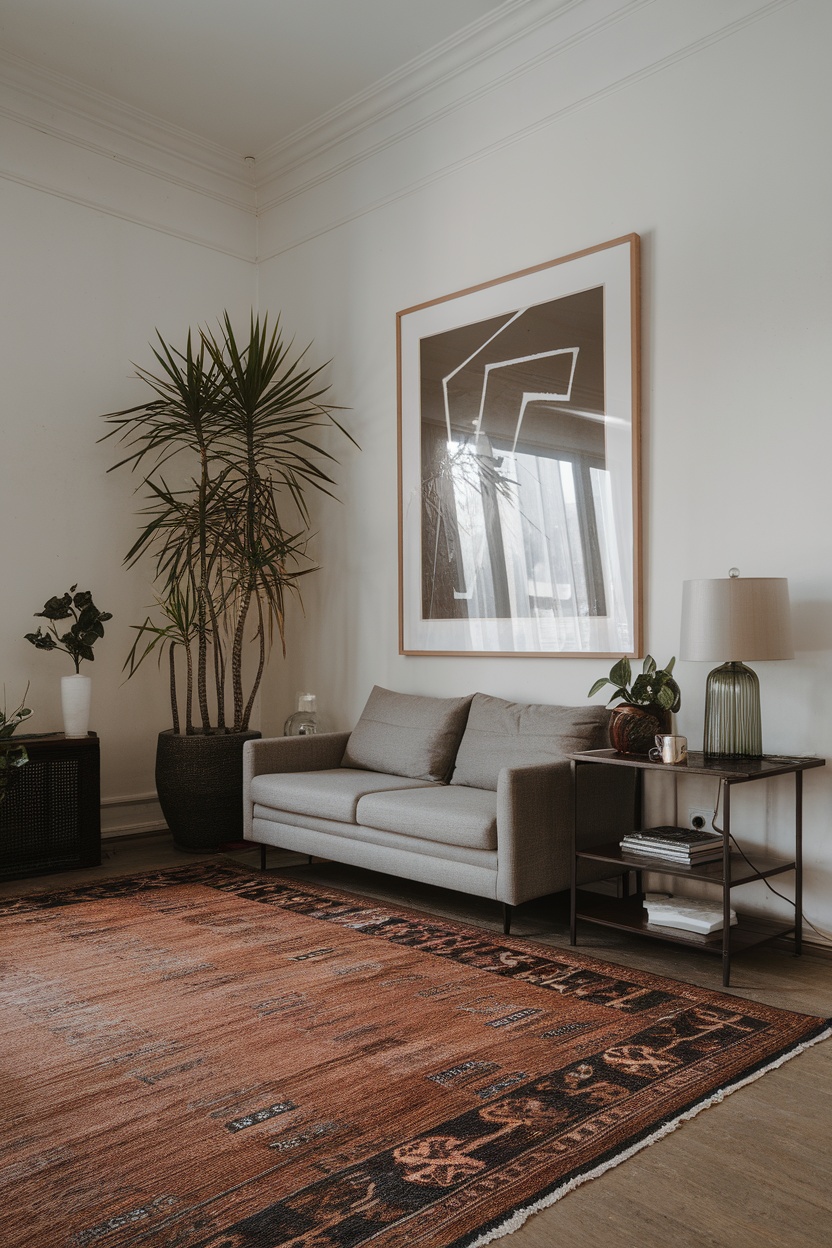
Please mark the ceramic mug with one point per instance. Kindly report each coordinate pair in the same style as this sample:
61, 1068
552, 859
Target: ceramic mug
669, 749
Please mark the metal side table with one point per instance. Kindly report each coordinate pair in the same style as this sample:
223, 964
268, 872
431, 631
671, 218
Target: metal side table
628, 914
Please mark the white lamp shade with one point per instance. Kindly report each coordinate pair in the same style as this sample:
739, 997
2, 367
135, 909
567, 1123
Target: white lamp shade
736, 619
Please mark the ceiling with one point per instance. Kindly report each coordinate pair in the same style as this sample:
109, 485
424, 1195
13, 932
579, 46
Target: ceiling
242, 74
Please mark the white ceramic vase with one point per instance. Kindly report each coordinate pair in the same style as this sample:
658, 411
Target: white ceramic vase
75, 704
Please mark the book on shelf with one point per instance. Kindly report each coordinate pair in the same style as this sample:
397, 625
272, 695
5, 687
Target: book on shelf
668, 847
679, 844
687, 838
657, 854
686, 913
699, 938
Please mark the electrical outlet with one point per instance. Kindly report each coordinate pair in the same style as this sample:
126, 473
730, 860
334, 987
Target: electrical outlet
700, 818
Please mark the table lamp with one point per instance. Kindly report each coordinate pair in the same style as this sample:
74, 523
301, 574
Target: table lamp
734, 619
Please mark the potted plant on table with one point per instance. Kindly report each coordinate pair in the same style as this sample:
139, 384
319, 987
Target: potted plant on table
242, 419
77, 641
647, 704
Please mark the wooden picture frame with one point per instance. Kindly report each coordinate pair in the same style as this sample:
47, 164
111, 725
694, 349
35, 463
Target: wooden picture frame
519, 483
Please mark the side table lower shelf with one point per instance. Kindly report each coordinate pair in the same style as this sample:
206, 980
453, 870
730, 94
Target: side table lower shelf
628, 914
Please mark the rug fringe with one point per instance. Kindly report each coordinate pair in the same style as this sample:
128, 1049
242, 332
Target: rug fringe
516, 1219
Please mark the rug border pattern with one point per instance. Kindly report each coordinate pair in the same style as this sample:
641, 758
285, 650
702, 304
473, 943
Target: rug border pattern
225, 876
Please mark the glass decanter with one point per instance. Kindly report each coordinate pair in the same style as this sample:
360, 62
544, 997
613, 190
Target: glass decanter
304, 722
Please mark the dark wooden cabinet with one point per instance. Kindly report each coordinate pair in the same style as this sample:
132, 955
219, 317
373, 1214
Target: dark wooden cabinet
50, 819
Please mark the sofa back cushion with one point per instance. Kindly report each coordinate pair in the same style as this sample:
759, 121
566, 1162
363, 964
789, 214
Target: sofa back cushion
516, 734
405, 734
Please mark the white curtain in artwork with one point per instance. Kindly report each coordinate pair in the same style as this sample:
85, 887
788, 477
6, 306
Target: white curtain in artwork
527, 529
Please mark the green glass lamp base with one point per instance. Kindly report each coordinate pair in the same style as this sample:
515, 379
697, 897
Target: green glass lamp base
733, 727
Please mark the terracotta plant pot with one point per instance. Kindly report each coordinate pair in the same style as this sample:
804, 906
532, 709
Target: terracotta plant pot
633, 729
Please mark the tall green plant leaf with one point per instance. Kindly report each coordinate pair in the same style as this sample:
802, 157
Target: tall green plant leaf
249, 416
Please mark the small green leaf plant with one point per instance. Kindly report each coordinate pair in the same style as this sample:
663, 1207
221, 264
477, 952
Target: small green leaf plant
87, 625
10, 720
654, 687
12, 756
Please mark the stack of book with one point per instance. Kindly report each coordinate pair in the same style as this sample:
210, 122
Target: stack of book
702, 918
681, 846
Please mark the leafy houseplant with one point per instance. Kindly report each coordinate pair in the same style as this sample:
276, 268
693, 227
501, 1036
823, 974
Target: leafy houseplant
77, 641
87, 626
238, 422
648, 703
12, 756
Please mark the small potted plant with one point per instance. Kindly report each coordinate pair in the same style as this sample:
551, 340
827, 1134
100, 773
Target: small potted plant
12, 756
87, 626
647, 704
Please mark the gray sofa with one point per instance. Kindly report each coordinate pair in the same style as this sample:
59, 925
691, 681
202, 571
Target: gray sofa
474, 793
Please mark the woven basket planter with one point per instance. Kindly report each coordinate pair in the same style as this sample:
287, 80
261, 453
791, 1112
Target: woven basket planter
199, 780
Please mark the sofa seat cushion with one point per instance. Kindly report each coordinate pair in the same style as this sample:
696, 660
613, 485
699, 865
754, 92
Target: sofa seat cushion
331, 794
289, 831
515, 734
405, 734
465, 817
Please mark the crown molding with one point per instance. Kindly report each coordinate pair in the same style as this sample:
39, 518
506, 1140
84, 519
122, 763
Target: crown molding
59, 105
564, 60
427, 91
520, 68
474, 43
63, 108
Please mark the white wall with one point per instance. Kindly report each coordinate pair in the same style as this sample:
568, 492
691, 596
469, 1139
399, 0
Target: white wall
712, 144
703, 127
83, 291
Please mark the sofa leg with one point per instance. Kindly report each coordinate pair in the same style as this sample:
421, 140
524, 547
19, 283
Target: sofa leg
262, 857
507, 909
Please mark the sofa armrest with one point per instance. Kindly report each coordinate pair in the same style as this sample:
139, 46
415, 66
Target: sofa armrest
319, 752
535, 816
267, 755
535, 812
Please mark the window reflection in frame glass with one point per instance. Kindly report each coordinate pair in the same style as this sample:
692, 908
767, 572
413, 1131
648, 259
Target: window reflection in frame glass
519, 507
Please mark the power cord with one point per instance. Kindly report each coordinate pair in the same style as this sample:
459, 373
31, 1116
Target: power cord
826, 936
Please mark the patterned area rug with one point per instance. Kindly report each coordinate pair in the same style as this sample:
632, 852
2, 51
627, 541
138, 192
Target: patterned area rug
207, 1058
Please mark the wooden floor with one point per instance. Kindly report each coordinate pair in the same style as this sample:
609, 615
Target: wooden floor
753, 1172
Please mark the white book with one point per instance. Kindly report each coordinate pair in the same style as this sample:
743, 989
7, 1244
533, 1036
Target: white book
697, 937
688, 914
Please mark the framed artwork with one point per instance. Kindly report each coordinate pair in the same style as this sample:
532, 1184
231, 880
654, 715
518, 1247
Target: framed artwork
519, 508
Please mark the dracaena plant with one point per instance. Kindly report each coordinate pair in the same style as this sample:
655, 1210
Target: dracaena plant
78, 640
654, 687
240, 422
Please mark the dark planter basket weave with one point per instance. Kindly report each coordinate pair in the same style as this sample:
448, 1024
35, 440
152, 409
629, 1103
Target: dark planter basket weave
199, 780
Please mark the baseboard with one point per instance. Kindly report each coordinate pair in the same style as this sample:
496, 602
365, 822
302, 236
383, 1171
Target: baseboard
134, 832
134, 815
817, 948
